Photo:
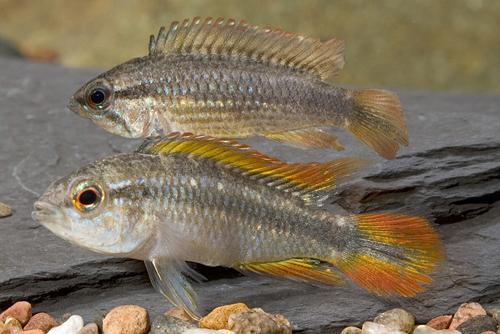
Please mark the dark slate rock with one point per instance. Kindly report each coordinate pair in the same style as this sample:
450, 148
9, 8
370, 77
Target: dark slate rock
450, 173
166, 324
478, 325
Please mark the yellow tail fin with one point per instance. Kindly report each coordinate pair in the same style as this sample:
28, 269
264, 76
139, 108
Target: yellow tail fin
394, 255
378, 121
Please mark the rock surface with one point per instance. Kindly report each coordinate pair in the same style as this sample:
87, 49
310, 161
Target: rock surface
449, 172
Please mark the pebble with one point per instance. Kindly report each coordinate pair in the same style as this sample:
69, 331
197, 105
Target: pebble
441, 322
1, 326
99, 318
64, 318
495, 314
370, 327
20, 310
257, 321
167, 324
218, 318
71, 326
465, 312
126, 319
207, 331
89, 329
396, 319
179, 313
5, 210
11, 326
423, 329
41, 321
477, 325
32, 331
351, 330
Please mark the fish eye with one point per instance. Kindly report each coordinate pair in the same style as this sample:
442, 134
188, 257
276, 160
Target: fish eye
98, 96
87, 197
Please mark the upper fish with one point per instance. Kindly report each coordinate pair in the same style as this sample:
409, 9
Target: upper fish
214, 201
236, 80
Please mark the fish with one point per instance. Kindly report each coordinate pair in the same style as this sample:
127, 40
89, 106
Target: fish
193, 198
235, 80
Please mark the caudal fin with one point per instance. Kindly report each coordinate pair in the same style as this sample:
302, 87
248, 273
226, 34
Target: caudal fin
394, 254
378, 121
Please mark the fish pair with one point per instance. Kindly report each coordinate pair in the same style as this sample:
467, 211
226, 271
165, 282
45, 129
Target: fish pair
213, 201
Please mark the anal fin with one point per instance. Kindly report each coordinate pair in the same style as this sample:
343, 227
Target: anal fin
307, 270
170, 279
306, 138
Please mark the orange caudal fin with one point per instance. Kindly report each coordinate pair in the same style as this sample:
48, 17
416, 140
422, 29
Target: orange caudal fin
394, 255
378, 121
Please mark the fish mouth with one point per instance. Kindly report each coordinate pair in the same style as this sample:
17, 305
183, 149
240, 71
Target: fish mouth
43, 211
77, 108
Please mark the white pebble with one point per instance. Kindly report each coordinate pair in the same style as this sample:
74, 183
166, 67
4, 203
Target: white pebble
71, 326
397, 320
370, 327
423, 329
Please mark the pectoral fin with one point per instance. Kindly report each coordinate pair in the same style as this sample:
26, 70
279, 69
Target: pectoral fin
307, 270
306, 138
170, 278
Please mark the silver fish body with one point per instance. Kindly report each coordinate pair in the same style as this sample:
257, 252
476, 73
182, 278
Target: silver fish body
240, 81
215, 202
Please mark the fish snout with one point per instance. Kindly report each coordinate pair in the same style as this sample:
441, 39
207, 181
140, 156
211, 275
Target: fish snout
43, 211
77, 107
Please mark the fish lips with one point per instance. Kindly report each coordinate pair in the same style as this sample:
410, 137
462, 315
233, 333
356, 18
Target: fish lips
44, 212
77, 108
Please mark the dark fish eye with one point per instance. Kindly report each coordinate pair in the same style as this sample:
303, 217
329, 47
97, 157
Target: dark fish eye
88, 197
98, 96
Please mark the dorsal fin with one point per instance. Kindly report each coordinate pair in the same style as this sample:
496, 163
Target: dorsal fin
308, 181
245, 40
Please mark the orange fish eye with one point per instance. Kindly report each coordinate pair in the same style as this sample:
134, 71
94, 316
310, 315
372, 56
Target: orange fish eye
98, 96
88, 197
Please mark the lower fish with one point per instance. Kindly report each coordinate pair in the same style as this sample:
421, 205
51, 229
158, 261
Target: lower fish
236, 80
217, 202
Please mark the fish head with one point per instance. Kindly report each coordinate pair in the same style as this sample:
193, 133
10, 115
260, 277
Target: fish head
115, 103
84, 209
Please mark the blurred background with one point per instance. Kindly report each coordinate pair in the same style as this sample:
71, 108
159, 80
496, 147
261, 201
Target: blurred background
446, 45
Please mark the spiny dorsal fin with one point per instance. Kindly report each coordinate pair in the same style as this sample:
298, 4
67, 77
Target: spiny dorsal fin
245, 40
305, 180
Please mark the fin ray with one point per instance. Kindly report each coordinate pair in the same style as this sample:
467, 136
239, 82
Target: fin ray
244, 40
306, 138
378, 121
308, 181
170, 278
306, 270
394, 256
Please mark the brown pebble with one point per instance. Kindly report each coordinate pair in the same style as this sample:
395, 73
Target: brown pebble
488, 332
20, 310
12, 325
441, 322
65, 318
41, 321
89, 329
126, 319
258, 321
180, 314
5, 210
465, 312
32, 331
218, 318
